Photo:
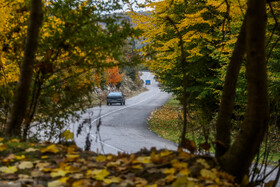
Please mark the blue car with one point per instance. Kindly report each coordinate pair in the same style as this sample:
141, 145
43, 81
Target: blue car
115, 97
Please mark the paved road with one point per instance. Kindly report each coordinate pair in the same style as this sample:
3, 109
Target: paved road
124, 128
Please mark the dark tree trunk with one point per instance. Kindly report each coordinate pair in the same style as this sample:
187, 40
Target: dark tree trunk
238, 158
23, 88
223, 125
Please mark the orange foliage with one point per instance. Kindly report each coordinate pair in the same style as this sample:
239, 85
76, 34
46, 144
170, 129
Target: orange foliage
114, 75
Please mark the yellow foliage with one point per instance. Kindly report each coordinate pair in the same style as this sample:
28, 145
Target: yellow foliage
68, 135
21, 157
58, 173
9, 169
98, 174
50, 149
3, 147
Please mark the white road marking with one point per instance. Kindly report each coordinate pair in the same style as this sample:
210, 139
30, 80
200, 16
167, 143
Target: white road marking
108, 145
113, 147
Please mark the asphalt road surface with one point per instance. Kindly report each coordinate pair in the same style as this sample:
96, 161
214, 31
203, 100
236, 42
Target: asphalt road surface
123, 128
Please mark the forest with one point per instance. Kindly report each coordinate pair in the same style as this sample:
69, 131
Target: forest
219, 58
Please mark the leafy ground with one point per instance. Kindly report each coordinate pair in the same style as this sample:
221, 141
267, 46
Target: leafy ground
52, 165
166, 123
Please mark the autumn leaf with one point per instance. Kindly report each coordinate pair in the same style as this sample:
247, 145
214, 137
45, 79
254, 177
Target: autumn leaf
179, 165
68, 135
82, 183
58, 173
60, 182
138, 166
170, 178
50, 149
14, 140
208, 174
1, 139
169, 171
151, 185
31, 149
165, 153
21, 157
184, 172
183, 181
3, 147
98, 174
144, 160
9, 169
71, 157
101, 158
25, 165
203, 162
112, 180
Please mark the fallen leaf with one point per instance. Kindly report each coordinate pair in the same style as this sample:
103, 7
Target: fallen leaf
151, 185
203, 162
55, 183
169, 171
14, 140
22, 176
9, 169
21, 157
77, 176
185, 172
112, 180
179, 165
98, 174
208, 174
44, 157
31, 149
140, 181
42, 165
170, 178
71, 157
58, 173
81, 183
138, 166
101, 158
25, 165
165, 153
50, 149
3, 147
36, 173
1, 139
68, 135
183, 181
143, 159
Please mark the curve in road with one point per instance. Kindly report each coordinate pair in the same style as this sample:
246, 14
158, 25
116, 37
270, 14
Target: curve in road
116, 128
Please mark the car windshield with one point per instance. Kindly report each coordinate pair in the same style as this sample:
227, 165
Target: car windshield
115, 94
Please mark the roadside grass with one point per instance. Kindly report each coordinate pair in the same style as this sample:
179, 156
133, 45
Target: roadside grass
167, 124
165, 121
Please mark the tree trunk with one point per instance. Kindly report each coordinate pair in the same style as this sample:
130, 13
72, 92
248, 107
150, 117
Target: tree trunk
23, 88
238, 158
223, 125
